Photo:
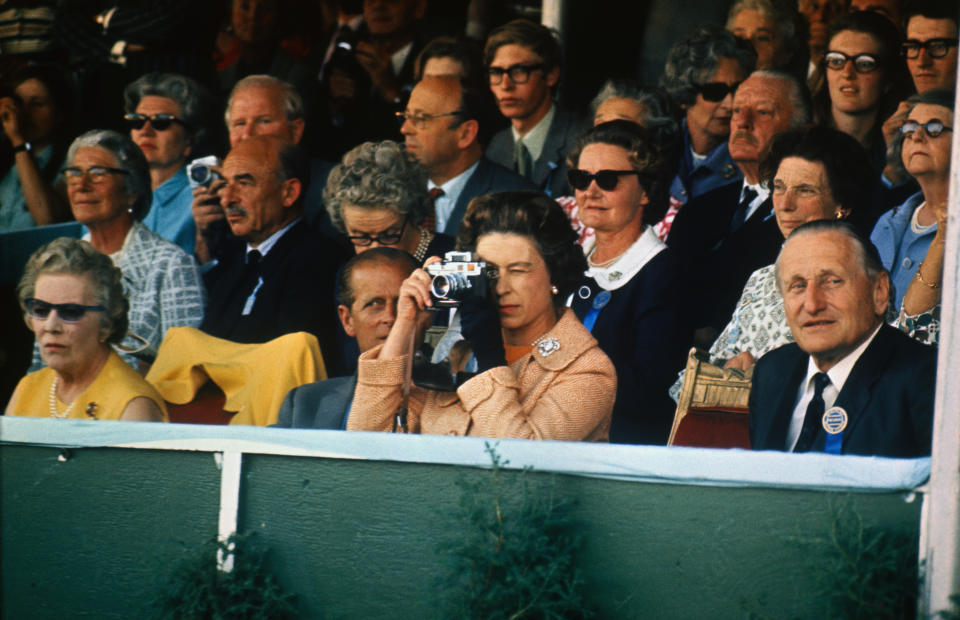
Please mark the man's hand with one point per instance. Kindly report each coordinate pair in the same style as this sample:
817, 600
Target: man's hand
12, 118
376, 62
206, 205
890, 129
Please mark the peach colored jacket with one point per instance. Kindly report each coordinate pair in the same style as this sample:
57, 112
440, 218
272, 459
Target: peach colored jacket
565, 394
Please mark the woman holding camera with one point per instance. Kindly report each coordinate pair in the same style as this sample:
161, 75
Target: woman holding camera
73, 301
541, 374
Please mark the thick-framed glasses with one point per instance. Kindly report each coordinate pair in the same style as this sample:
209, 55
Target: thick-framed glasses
607, 180
932, 128
519, 73
862, 63
160, 122
68, 313
717, 91
387, 237
96, 174
937, 48
420, 120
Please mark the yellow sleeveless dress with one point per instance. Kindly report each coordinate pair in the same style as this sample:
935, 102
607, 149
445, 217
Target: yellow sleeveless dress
104, 399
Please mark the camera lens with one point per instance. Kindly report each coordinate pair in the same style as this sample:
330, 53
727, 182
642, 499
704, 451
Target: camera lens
441, 286
200, 174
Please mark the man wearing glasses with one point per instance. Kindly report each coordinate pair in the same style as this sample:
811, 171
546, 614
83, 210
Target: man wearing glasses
165, 119
930, 46
523, 64
445, 127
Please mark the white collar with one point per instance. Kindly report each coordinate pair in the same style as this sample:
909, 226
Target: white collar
630, 263
536, 137
453, 187
268, 243
399, 57
840, 371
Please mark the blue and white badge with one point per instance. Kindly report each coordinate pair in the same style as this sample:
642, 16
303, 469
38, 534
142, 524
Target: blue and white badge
601, 300
583, 292
834, 420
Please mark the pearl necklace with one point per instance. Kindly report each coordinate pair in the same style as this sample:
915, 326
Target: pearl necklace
606, 263
421, 252
53, 401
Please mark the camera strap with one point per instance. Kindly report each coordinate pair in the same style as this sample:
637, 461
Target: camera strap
400, 417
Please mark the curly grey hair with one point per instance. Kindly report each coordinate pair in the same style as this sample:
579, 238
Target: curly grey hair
657, 106
693, 60
129, 157
378, 175
291, 99
79, 258
784, 21
186, 92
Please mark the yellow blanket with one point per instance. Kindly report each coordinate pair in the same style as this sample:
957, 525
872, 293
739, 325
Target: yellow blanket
254, 377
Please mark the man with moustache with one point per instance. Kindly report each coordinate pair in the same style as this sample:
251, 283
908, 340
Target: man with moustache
849, 384
523, 65
726, 234
445, 126
282, 279
367, 290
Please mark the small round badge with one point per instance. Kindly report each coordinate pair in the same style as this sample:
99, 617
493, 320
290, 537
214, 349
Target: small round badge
583, 292
834, 420
601, 300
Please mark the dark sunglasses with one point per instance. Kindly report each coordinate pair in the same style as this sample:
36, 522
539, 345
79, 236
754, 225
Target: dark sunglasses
68, 313
159, 122
862, 63
385, 238
607, 180
937, 48
519, 73
932, 128
717, 91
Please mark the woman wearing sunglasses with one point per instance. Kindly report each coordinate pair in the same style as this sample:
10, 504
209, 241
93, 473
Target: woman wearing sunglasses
903, 235
541, 374
377, 196
630, 295
108, 185
861, 80
73, 301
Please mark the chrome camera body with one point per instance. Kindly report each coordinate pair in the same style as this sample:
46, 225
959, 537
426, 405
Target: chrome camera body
456, 277
200, 171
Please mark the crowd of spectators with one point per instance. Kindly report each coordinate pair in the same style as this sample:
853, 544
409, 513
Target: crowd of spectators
778, 198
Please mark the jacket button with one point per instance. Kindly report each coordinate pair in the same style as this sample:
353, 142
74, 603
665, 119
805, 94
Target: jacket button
907, 263
454, 433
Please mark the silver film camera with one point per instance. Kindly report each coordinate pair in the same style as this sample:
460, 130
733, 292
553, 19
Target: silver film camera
456, 277
200, 171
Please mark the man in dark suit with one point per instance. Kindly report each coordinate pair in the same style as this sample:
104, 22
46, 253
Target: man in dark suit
445, 126
850, 384
367, 291
282, 279
523, 63
726, 234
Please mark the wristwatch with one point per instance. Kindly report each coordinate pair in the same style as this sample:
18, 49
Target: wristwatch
23, 146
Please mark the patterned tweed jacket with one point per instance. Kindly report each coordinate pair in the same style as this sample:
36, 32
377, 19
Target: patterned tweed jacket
564, 390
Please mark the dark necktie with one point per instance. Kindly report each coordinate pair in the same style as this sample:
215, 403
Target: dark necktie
430, 222
740, 215
813, 418
523, 158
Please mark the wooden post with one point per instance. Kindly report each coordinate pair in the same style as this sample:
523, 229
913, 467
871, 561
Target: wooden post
941, 525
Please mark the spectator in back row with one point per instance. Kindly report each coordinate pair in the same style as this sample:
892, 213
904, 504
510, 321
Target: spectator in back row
523, 63
931, 44
445, 127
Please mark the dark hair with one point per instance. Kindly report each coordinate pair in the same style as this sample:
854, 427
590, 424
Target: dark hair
850, 174
62, 91
535, 215
540, 39
78, 258
465, 51
379, 256
477, 103
693, 60
654, 152
293, 163
867, 253
898, 81
931, 9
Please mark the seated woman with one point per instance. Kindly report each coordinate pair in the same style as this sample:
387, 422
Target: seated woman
920, 313
73, 300
630, 295
816, 174
108, 184
378, 197
903, 235
542, 376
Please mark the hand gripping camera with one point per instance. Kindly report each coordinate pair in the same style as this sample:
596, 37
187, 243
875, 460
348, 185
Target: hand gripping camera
457, 277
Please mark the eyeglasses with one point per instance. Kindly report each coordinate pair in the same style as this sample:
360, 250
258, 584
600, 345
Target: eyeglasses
160, 122
937, 48
862, 63
68, 313
519, 73
607, 180
420, 120
932, 128
387, 237
97, 174
717, 91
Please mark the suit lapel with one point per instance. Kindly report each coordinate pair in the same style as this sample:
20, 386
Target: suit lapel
477, 184
783, 412
554, 148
